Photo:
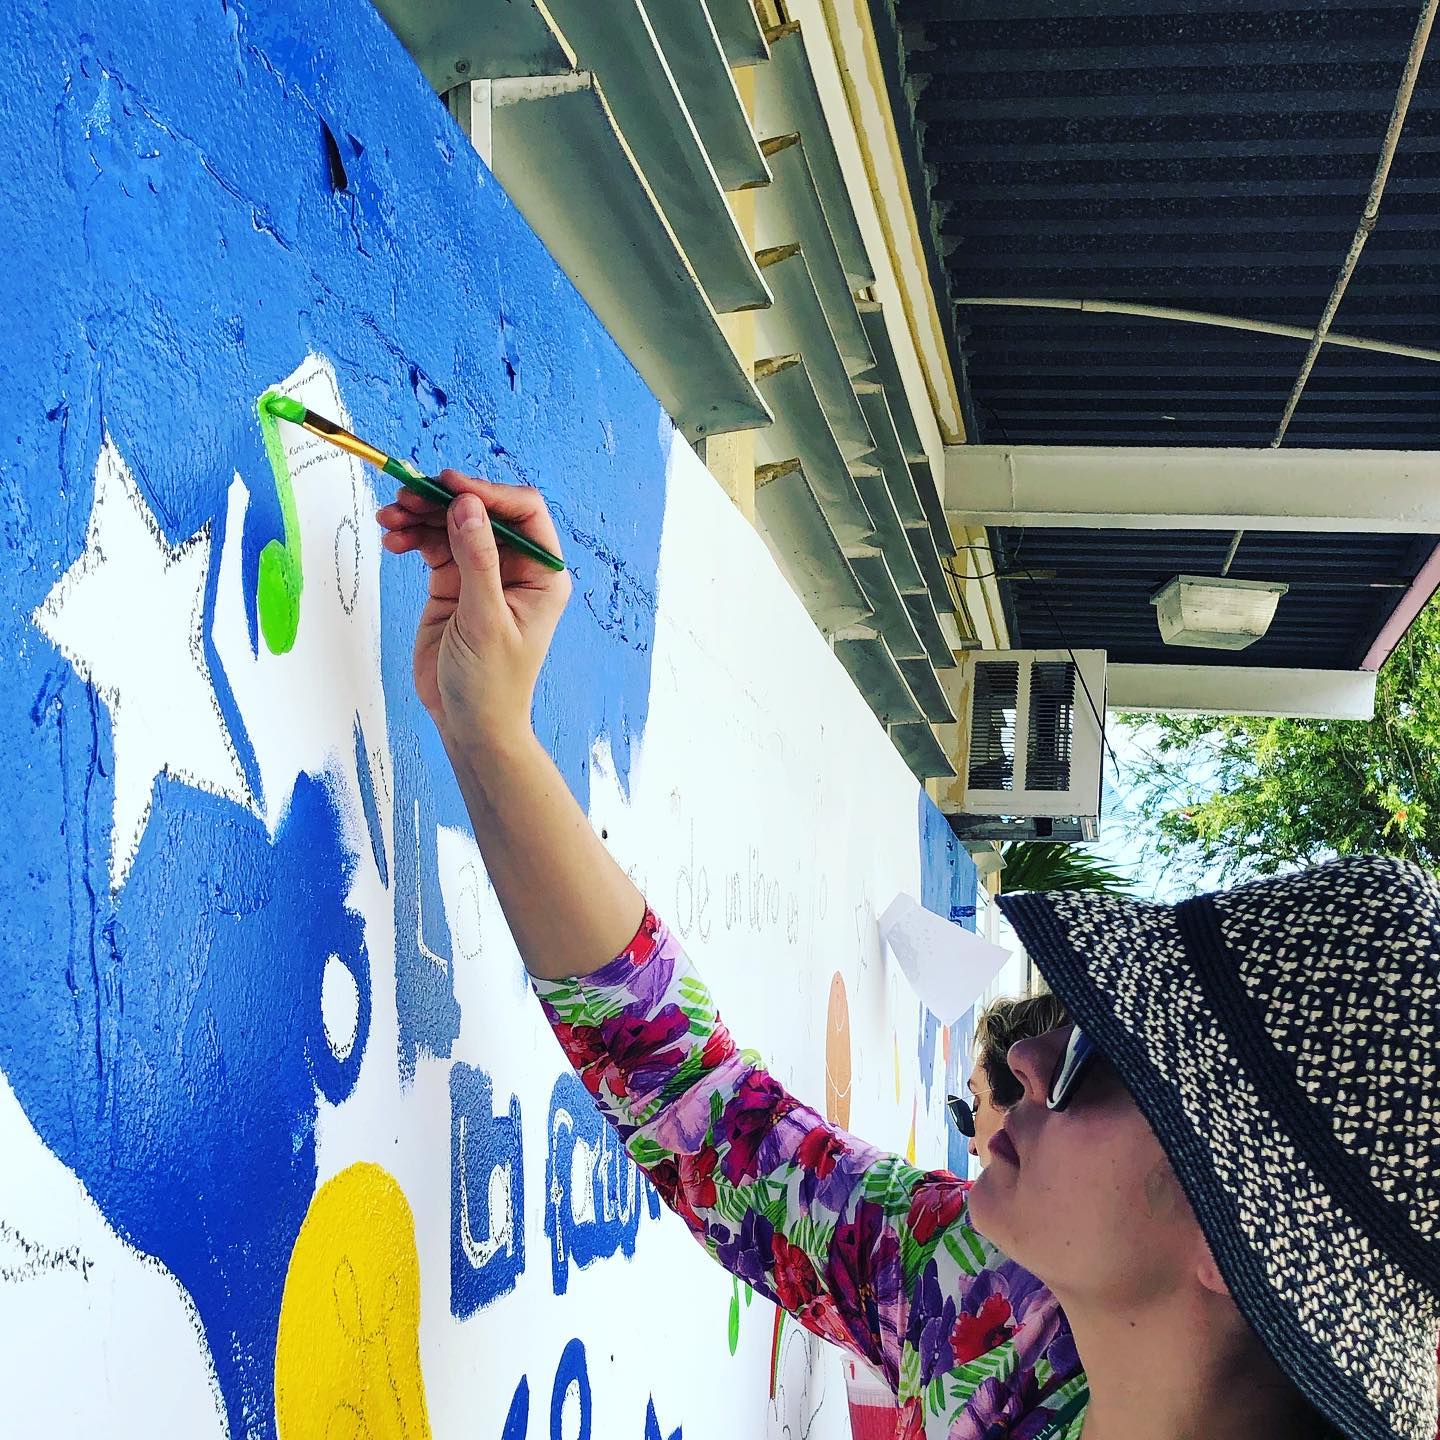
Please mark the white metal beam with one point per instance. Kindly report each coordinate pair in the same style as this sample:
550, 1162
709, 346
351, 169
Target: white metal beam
1141, 488
1242, 690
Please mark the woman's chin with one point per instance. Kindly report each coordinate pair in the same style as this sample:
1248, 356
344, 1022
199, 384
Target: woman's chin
991, 1202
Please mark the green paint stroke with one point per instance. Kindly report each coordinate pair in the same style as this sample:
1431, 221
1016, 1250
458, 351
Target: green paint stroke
734, 1315
277, 596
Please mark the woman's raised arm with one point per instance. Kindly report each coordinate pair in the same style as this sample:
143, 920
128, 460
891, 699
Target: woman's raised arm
860, 1246
483, 637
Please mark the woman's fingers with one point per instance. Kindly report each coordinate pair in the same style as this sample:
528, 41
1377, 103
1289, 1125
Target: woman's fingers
413, 523
433, 544
397, 514
521, 507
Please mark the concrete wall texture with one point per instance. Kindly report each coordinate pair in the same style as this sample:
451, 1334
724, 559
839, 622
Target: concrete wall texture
284, 1144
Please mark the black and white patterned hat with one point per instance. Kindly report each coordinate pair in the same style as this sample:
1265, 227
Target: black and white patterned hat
1283, 1041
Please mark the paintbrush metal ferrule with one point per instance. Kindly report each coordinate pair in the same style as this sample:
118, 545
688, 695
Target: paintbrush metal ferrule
329, 430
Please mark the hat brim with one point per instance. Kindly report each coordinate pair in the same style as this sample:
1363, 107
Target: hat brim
1350, 1328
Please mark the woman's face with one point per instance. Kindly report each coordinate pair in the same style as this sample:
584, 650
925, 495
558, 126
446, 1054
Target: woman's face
1084, 1197
988, 1115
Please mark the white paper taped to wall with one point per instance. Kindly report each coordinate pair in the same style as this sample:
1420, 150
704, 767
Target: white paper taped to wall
947, 966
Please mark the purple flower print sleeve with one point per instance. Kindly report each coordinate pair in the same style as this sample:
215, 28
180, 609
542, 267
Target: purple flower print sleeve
859, 1246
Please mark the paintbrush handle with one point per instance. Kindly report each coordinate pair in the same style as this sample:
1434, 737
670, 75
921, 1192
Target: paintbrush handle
433, 489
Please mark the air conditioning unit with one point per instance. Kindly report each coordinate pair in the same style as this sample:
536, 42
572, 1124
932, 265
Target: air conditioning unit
1032, 767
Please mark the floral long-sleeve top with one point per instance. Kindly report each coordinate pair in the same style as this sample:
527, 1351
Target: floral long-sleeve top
859, 1246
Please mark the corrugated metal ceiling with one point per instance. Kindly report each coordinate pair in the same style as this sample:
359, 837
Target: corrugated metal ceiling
1206, 156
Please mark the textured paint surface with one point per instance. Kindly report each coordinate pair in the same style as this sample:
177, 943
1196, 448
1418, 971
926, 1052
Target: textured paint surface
257, 987
487, 1194
347, 1364
166, 1040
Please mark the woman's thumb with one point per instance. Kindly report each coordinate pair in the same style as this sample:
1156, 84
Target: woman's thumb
472, 542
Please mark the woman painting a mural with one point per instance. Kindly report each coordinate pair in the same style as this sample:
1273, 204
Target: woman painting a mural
1215, 1210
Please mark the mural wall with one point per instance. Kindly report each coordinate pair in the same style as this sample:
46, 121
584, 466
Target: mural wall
285, 1146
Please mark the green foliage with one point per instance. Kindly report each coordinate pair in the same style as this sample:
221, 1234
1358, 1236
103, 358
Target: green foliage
1252, 797
1032, 865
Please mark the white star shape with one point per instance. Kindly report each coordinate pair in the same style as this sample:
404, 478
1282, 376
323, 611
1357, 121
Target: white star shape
129, 616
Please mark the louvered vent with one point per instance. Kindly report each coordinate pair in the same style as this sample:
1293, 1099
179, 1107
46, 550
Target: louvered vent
992, 725
1052, 725
1033, 767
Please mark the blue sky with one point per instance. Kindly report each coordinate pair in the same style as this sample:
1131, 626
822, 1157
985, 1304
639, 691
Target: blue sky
1127, 830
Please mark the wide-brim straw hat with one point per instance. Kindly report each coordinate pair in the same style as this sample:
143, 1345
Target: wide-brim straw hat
1283, 1041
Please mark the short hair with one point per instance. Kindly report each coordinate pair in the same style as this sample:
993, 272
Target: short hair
1004, 1022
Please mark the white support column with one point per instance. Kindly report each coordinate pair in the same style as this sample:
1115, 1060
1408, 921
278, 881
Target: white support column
1139, 488
469, 103
1242, 690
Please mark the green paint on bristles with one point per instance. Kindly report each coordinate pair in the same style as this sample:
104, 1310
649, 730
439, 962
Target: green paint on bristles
277, 590
283, 407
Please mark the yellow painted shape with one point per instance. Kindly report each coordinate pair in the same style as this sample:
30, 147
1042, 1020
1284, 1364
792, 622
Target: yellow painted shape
910, 1143
347, 1356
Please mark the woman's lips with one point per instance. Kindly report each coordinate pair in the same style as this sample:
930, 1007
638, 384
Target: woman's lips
1003, 1148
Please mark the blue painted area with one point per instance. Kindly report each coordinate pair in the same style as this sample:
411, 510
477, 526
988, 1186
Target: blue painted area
572, 1370
948, 885
517, 1422
652, 1425
373, 826
425, 1003
166, 1043
169, 1047
487, 1251
962, 1046
585, 1228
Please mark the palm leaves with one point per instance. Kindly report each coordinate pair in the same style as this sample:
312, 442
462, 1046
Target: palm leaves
1031, 865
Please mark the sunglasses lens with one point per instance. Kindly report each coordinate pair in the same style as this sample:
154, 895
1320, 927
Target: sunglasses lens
1067, 1072
962, 1115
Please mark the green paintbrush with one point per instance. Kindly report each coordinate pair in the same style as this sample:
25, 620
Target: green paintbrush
284, 408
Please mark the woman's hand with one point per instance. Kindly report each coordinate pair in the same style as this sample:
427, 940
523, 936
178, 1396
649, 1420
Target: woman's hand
492, 612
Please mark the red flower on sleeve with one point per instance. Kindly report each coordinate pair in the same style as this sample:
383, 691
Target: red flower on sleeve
797, 1282
819, 1151
978, 1334
935, 1203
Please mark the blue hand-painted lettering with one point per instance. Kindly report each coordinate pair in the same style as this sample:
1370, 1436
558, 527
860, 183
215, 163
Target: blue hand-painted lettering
592, 1187
487, 1194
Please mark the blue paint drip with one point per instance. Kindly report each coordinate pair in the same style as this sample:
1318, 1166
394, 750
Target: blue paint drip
482, 1268
948, 885
572, 1370
373, 826
169, 1048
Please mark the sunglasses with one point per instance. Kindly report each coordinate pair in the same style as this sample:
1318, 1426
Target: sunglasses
962, 1115
1080, 1054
